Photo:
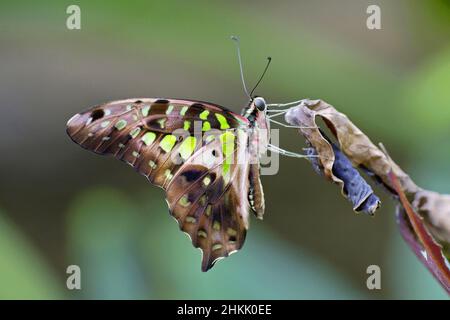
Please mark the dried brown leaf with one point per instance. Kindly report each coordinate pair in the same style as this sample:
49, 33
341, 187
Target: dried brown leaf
332, 162
423, 217
303, 116
358, 147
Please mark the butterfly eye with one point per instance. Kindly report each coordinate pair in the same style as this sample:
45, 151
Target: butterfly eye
260, 104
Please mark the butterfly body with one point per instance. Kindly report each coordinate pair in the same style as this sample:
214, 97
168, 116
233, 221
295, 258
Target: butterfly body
204, 156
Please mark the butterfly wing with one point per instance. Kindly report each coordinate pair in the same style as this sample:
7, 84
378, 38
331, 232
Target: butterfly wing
205, 177
208, 196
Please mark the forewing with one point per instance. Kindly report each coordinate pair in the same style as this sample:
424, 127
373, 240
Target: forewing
140, 131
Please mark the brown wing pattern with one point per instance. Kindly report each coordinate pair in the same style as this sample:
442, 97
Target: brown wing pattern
206, 179
210, 204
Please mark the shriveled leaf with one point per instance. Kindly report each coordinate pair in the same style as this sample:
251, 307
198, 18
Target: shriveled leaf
424, 224
332, 162
302, 116
353, 143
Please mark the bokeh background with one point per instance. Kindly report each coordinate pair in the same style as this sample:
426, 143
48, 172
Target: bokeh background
60, 205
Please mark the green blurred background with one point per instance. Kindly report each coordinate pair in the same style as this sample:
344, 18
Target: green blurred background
60, 205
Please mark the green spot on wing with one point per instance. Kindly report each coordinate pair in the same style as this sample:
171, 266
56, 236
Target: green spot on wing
184, 201
162, 122
183, 110
231, 232
190, 219
121, 124
145, 110
169, 109
187, 125
225, 170
228, 146
206, 180
104, 124
168, 174
223, 121
148, 138
168, 142
135, 132
227, 141
204, 114
206, 126
210, 138
152, 164
187, 147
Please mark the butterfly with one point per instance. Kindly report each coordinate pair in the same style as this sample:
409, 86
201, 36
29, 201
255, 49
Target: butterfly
211, 180
204, 156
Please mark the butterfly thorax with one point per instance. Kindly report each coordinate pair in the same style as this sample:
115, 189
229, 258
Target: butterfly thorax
259, 135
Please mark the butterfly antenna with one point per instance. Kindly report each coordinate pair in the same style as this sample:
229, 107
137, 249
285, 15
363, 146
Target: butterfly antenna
269, 59
236, 39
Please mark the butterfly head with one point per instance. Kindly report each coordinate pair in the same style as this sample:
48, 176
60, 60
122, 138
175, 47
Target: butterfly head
255, 109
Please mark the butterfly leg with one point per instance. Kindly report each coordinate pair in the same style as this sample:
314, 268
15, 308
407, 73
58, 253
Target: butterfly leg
287, 153
278, 112
289, 126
